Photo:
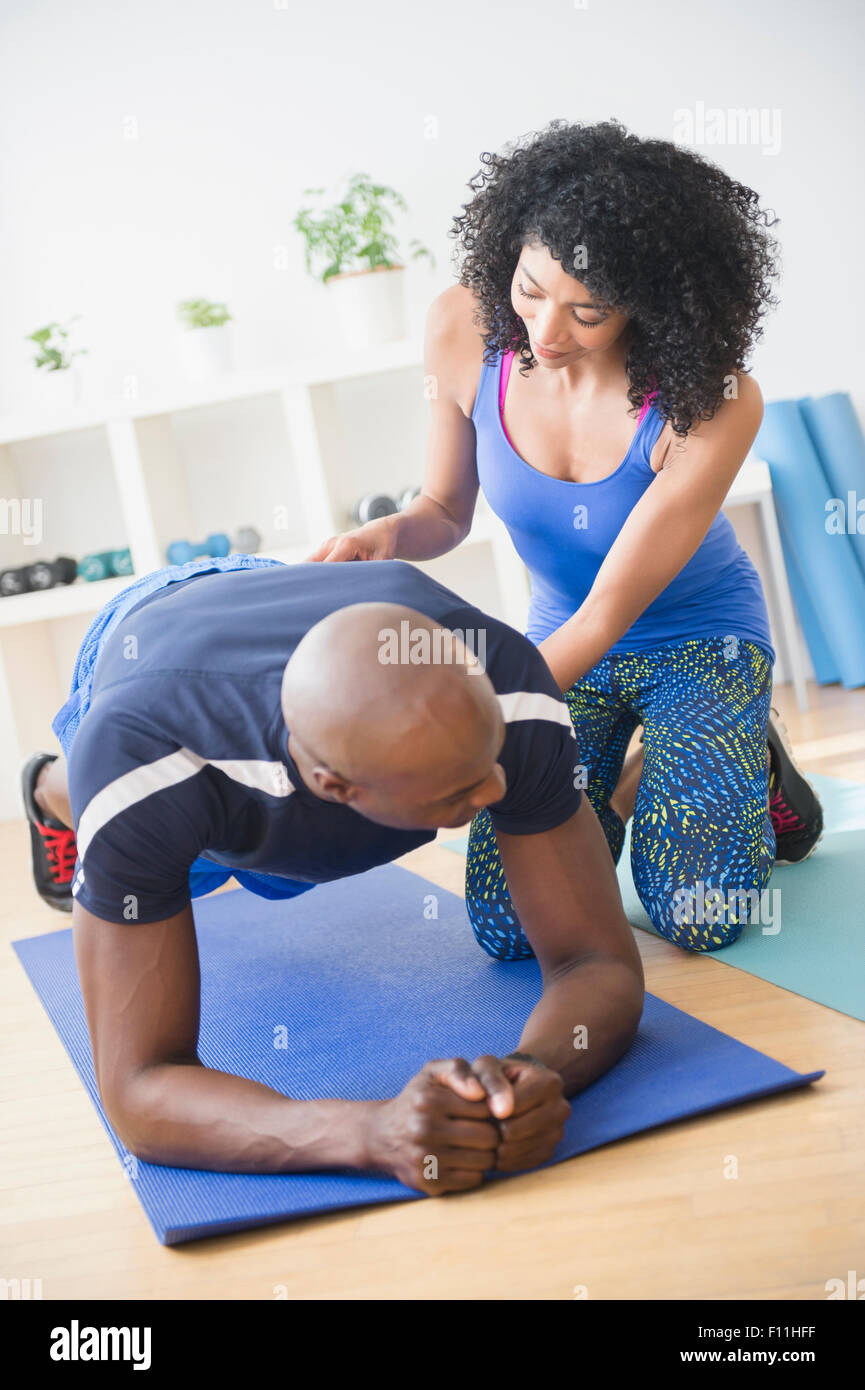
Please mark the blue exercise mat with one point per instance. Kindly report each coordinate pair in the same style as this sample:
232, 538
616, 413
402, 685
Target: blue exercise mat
370, 984
843, 802
827, 563
840, 445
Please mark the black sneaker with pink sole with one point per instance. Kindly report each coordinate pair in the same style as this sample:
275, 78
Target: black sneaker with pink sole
52, 843
794, 806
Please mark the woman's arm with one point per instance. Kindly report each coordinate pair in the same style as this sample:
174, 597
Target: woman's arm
441, 517
660, 536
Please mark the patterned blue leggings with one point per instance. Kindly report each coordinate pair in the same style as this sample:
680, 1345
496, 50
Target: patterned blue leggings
701, 816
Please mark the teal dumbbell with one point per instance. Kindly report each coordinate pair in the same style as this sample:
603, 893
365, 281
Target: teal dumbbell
104, 564
121, 562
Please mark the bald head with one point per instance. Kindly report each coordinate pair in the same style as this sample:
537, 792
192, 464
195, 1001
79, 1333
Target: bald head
379, 690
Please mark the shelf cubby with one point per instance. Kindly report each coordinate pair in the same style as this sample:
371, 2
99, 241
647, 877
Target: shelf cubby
287, 450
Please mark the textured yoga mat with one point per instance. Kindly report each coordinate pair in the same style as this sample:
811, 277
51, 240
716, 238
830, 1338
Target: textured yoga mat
810, 938
364, 980
818, 950
827, 563
825, 669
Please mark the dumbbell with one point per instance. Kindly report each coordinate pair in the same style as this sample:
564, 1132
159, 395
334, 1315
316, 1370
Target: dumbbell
50, 574
378, 504
43, 574
246, 541
105, 564
15, 581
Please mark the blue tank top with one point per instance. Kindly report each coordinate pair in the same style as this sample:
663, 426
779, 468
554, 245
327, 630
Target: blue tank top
563, 531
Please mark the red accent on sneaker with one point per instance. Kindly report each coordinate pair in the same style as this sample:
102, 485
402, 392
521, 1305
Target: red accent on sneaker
783, 817
60, 851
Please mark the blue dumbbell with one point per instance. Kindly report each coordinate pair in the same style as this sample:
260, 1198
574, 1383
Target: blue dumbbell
246, 539
179, 552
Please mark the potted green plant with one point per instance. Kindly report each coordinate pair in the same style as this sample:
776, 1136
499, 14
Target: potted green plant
351, 245
58, 383
205, 342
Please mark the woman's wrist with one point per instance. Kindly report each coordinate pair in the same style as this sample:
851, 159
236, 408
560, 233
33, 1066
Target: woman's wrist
552, 655
573, 649
392, 524
423, 531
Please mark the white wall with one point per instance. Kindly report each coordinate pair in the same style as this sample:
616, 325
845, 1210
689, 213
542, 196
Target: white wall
237, 105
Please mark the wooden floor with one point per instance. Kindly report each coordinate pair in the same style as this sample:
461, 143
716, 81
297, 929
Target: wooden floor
650, 1217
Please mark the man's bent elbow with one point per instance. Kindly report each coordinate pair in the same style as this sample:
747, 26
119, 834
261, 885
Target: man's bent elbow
134, 1119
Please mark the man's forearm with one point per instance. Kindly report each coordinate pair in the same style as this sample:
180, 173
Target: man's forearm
585, 1020
188, 1116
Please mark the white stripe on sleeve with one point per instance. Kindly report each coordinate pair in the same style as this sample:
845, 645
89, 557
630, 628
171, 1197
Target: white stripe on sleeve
126, 791
534, 704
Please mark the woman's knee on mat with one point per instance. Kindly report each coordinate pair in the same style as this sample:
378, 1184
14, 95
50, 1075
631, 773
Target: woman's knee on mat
704, 917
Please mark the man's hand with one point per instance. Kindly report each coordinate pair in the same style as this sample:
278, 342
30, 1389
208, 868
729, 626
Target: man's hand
527, 1099
534, 1126
437, 1135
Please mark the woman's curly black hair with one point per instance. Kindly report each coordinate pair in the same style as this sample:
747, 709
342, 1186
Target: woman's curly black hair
671, 240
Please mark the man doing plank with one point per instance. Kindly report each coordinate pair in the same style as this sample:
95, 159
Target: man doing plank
273, 725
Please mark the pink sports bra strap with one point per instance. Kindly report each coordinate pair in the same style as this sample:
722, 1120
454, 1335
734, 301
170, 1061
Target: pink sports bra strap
507, 361
647, 401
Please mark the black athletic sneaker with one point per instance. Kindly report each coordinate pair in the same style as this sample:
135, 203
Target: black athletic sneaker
52, 843
797, 816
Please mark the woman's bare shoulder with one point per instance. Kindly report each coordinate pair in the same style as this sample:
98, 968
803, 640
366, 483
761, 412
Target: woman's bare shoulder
453, 345
738, 415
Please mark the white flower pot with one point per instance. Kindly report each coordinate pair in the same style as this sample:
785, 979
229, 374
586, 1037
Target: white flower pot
206, 352
59, 390
369, 306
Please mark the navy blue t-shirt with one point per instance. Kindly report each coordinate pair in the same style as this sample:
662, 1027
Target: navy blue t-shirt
183, 751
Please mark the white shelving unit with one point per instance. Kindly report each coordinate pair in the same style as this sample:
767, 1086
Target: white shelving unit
286, 450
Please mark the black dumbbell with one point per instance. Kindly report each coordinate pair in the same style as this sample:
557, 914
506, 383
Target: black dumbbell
42, 574
50, 574
14, 581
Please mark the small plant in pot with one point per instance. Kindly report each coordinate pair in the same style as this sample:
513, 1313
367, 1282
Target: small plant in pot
58, 383
352, 247
205, 344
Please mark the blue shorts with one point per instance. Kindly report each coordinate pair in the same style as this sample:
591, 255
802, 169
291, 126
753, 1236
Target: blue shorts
204, 874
